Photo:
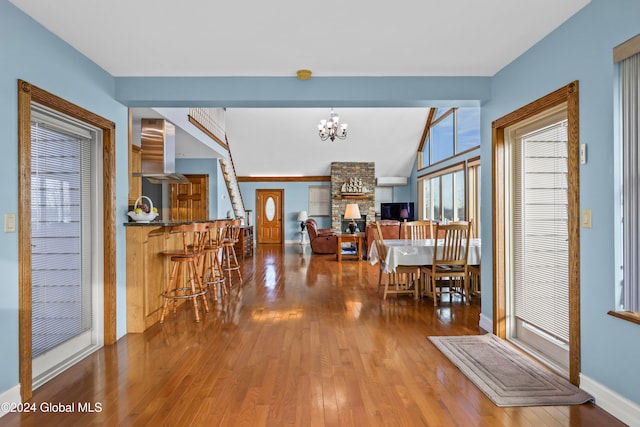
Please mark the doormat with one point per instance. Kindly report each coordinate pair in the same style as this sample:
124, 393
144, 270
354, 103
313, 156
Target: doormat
505, 375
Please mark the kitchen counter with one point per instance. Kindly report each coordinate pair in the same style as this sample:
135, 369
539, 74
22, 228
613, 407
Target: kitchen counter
148, 270
156, 223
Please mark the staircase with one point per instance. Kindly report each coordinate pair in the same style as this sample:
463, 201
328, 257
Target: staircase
212, 122
229, 173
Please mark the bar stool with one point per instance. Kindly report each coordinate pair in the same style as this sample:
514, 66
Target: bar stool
212, 273
192, 250
229, 259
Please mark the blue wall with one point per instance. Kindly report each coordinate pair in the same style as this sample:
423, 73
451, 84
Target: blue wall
578, 50
212, 168
581, 49
296, 199
24, 47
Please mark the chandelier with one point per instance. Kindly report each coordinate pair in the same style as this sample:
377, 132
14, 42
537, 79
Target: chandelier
332, 129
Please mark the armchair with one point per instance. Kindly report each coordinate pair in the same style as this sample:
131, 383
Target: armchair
322, 240
389, 229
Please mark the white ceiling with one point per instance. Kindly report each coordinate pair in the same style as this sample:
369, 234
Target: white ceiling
276, 38
387, 136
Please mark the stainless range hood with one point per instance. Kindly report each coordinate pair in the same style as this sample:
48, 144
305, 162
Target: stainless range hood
158, 143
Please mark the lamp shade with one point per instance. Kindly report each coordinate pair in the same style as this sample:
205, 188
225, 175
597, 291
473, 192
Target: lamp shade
302, 216
352, 211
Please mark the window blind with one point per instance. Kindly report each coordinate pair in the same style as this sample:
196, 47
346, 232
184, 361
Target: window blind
61, 164
540, 230
630, 115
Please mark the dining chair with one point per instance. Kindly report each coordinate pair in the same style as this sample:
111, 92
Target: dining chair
449, 269
474, 280
415, 230
404, 280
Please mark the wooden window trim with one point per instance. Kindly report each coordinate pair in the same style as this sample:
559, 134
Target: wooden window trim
626, 49
629, 316
567, 94
425, 133
28, 94
451, 168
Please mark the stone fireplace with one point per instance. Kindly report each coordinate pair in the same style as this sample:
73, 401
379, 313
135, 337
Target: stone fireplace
352, 182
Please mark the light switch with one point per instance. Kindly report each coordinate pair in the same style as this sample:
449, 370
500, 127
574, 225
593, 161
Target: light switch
9, 223
586, 218
583, 154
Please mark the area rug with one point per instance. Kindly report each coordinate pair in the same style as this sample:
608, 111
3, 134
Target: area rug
507, 376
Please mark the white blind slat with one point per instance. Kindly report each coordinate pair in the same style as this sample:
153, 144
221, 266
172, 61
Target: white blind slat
630, 114
60, 164
319, 204
541, 289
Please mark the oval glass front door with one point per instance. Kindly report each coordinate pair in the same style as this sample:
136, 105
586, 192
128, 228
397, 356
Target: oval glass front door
270, 209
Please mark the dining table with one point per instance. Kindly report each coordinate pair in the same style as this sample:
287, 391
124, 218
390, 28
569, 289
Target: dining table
417, 252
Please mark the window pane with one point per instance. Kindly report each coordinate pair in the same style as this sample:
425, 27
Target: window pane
425, 153
437, 213
447, 196
383, 195
459, 192
428, 204
468, 128
439, 113
442, 139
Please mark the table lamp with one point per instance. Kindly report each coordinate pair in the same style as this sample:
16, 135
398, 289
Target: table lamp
302, 217
352, 211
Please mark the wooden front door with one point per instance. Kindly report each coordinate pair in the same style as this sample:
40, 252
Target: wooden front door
190, 202
269, 215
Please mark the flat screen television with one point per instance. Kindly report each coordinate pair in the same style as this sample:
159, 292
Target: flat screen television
398, 211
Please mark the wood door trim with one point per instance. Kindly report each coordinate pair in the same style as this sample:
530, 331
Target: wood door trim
567, 94
27, 94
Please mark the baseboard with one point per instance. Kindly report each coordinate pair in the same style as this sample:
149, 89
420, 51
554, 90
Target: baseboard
486, 323
620, 407
296, 242
10, 399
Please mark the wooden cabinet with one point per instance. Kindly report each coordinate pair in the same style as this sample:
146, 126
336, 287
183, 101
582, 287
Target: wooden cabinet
190, 202
244, 247
147, 273
135, 166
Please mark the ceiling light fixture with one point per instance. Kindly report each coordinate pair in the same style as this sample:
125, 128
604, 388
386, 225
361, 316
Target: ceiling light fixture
332, 129
303, 74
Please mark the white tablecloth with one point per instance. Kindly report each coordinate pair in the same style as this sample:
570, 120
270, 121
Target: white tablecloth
417, 252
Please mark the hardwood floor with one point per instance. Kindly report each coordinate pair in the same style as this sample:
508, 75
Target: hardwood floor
304, 341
